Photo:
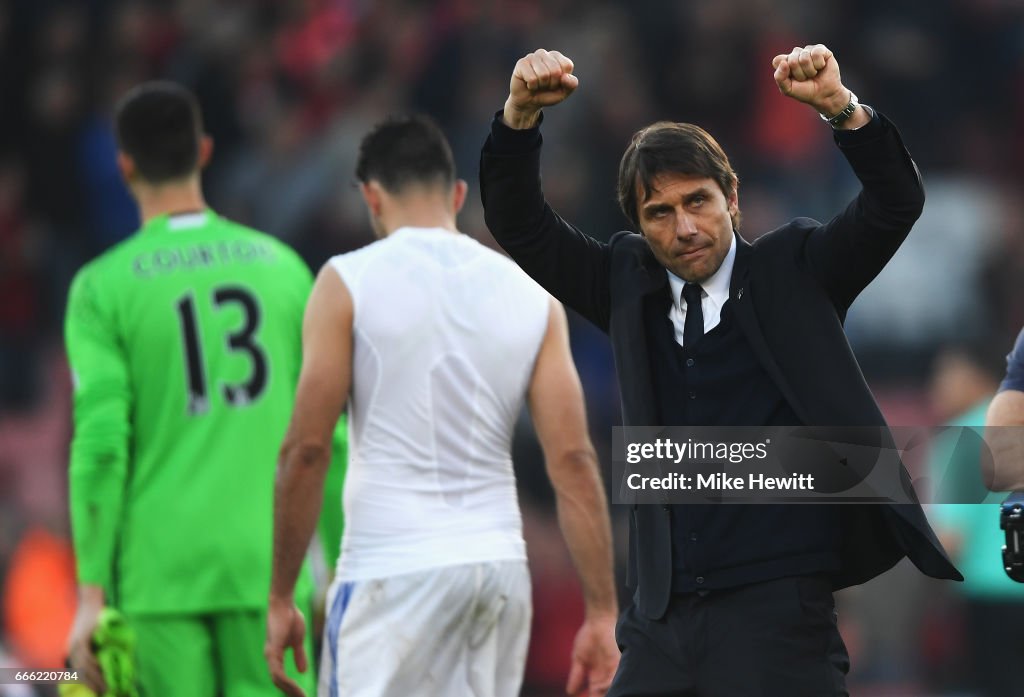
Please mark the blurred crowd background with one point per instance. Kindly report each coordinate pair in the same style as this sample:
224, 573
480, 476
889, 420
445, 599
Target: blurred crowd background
289, 86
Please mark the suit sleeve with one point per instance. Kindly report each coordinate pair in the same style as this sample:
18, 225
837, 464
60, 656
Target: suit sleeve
847, 253
102, 429
570, 265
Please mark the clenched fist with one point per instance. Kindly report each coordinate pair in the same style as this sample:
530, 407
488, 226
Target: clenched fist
811, 75
540, 79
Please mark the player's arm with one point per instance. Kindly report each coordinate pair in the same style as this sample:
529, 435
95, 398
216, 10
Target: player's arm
1004, 434
331, 523
99, 456
332, 515
304, 459
1004, 427
559, 417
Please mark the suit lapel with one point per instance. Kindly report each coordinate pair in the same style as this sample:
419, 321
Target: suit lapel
629, 341
633, 360
741, 296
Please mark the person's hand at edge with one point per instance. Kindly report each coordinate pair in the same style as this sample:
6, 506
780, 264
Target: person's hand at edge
595, 657
286, 628
80, 653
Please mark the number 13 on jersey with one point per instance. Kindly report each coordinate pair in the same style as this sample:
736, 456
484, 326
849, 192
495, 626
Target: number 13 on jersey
242, 340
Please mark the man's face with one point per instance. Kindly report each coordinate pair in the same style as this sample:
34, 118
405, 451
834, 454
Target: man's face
687, 222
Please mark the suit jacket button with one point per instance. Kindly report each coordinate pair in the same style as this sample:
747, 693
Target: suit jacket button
699, 580
690, 362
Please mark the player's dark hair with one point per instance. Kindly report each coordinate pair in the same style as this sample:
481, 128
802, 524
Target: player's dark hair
158, 124
404, 150
666, 147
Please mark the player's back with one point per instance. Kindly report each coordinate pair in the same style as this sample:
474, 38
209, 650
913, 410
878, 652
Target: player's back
445, 336
208, 316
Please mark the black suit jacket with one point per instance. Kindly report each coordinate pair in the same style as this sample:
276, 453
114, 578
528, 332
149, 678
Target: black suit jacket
790, 291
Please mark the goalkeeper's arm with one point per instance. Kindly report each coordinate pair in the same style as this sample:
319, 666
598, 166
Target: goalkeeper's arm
99, 451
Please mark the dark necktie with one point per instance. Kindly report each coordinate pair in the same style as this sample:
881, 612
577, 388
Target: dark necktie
693, 328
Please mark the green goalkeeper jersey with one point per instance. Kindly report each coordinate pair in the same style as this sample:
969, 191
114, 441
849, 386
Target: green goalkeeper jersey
185, 348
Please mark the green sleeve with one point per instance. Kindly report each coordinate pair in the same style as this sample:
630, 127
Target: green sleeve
332, 517
99, 448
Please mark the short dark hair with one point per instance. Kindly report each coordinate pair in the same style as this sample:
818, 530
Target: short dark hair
668, 147
403, 150
159, 126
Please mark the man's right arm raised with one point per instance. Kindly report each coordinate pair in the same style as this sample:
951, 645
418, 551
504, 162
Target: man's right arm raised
569, 264
559, 417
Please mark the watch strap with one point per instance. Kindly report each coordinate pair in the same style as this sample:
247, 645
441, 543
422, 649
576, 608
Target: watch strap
838, 119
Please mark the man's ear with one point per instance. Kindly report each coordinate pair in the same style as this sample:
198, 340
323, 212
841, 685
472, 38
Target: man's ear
372, 195
205, 151
734, 198
126, 166
459, 194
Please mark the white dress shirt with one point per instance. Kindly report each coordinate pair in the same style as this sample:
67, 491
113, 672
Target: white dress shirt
714, 293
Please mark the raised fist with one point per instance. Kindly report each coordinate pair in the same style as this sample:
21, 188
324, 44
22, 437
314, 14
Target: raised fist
811, 75
542, 78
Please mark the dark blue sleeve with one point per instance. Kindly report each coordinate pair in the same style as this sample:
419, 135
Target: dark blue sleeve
1014, 379
572, 266
510, 141
849, 251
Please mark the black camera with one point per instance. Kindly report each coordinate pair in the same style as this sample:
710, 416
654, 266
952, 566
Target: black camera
1011, 520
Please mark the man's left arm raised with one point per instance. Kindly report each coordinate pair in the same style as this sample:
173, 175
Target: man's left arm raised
847, 253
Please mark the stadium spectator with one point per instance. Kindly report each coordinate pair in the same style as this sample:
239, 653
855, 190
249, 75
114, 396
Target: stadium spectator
20, 285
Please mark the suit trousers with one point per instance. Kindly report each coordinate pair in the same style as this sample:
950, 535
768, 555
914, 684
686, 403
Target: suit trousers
773, 638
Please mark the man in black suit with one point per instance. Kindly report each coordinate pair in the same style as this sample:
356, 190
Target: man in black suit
708, 330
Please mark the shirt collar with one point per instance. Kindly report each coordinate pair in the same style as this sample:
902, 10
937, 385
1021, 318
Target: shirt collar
174, 222
716, 288
411, 230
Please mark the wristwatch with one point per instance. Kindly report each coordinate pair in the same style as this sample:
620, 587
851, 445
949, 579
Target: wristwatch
840, 118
